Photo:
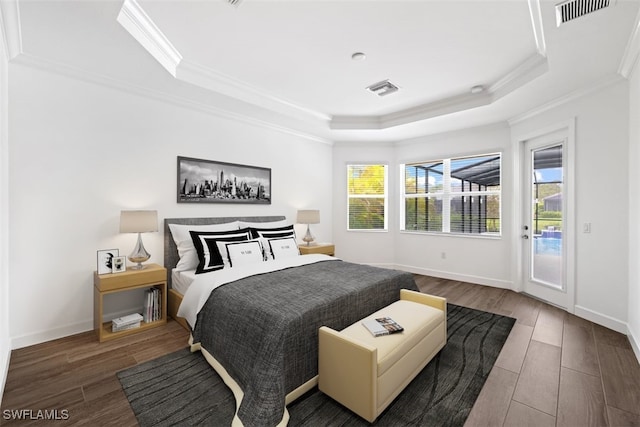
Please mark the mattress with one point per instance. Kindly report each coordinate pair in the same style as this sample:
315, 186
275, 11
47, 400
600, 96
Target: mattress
181, 280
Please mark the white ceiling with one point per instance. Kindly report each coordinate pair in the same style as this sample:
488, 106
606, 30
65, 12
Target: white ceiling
287, 64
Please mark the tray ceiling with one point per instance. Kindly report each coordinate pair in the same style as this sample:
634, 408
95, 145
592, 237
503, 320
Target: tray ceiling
289, 63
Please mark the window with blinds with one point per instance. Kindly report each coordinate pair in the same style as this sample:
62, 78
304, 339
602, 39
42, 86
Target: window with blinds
459, 195
367, 197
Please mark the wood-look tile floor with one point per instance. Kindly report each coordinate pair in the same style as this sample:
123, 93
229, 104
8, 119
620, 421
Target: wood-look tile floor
555, 369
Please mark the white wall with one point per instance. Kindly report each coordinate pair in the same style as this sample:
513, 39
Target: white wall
370, 247
469, 258
633, 321
601, 194
477, 260
5, 345
81, 152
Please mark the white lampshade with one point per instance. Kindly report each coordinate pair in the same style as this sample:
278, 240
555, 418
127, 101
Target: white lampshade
138, 221
309, 216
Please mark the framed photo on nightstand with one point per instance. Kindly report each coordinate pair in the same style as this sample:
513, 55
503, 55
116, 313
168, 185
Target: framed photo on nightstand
105, 260
119, 264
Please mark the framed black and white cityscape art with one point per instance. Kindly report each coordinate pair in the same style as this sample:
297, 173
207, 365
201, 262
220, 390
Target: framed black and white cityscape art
208, 181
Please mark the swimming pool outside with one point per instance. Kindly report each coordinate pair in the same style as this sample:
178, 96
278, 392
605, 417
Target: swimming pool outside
547, 246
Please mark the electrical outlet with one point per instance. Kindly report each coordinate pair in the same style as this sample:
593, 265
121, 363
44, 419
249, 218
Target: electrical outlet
586, 227
443, 255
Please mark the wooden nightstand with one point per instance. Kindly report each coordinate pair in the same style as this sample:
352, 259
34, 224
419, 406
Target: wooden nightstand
152, 275
321, 248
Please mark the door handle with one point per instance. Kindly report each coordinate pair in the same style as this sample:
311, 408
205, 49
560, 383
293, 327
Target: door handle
525, 236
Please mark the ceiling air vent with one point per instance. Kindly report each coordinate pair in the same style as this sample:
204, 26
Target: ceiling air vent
572, 9
235, 3
383, 88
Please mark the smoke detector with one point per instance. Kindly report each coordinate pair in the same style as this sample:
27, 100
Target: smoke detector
572, 9
383, 88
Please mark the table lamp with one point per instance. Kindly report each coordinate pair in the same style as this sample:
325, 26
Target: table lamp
308, 216
138, 222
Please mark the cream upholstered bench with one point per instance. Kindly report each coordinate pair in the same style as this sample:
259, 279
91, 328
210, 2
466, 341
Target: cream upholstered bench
365, 373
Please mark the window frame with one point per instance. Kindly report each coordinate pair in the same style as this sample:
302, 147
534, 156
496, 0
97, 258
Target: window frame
447, 195
384, 196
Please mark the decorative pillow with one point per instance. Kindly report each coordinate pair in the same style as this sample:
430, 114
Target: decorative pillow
212, 253
283, 247
270, 224
184, 243
286, 231
244, 253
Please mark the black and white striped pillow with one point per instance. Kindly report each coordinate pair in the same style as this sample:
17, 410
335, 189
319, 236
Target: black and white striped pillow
272, 232
211, 248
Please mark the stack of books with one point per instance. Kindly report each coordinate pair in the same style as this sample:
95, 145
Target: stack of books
131, 321
152, 305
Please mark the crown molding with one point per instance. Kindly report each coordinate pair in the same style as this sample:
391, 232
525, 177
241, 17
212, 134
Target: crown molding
199, 75
535, 66
631, 51
148, 93
133, 18
136, 21
501, 125
441, 107
572, 96
532, 68
10, 27
538, 27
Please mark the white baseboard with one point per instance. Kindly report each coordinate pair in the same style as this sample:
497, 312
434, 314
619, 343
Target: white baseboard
635, 344
488, 281
67, 330
51, 334
601, 319
5, 359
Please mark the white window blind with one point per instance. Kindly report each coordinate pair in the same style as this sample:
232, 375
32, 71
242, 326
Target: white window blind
367, 197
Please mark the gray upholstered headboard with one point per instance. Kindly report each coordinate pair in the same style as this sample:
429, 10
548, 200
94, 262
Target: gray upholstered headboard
171, 257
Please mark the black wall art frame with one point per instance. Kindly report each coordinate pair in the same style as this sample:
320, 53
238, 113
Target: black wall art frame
208, 181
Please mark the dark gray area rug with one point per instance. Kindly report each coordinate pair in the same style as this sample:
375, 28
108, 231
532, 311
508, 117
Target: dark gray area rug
182, 389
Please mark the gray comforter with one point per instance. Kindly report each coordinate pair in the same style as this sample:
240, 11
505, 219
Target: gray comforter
264, 329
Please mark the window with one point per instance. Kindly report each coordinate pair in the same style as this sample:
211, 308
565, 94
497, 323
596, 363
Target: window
367, 197
460, 195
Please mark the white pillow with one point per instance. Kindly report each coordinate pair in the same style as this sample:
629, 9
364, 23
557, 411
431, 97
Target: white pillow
284, 247
244, 253
184, 243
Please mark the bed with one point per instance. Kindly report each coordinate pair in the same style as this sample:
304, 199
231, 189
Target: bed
257, 324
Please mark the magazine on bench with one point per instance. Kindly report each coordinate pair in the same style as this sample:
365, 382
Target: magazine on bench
382, 326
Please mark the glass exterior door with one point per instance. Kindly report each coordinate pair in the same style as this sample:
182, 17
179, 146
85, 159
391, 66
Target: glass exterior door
547, 216
544, 248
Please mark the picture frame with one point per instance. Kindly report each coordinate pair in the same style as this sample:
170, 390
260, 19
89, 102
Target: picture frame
209, 181
119, 264
105, 260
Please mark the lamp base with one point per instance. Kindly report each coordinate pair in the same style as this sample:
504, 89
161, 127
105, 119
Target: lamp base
308, 238
138, 266
139, 254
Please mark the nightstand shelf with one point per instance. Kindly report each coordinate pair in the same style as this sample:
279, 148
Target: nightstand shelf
152, 275
320, 248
